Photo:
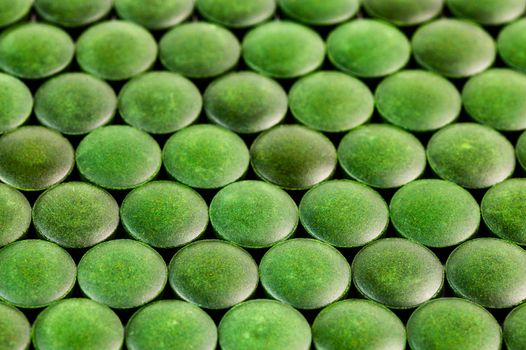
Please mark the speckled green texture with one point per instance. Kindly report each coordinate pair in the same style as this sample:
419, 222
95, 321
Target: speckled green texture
368, 48
73, 13
452, 323
116, 50
160, 102
344, 213
118, 157
331, 101
488, 271
264, 325
79, 324
514, 326
156, 14
75, 103
358, 324
511, 45
453, 48
253, 214
75, 215
520, 150
417, 100
305, 273
16, 103
15, 215
12, 11
205, 156
171, 324
293, 157
35, 273
245, 102
381, 155
317, 12
213, 274
236, 14
397, 273
199, 50
283, 49
14, 329
435, 213
34, 158
403, 12
164, 214
487, 12
35, 50
471, 155
122, 274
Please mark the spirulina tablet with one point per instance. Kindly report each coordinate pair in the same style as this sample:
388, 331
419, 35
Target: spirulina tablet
15, 329
404, 12
239, 14
73, 13
16, 101
520, 150
319, 12
157, 14
511, 44
12, 11
15, 215
514, 325
492, 12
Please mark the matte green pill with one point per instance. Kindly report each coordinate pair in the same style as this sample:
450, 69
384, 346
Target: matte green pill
245, 102
169, 325
264, 324
489, 12
381, 155
344, 213
12, 11
253, 214
75, 215
514, 326
35, 273
80, 324
156, 14
283, 49
160, 102
435, 213
73, 13
404, 12
213, 274
358, 324
488, 271
35, 50
368, 48
15, 215
417, 100
205, 156
305, 273
520, 150
319, 12
33, 158
471, 155
75, 103
397, 273
236, 14
199, 50
511, 45
15, 330
453, 323
116, 50
453, 48
118, 157
122, 274
331, 101
164, 214
16, 101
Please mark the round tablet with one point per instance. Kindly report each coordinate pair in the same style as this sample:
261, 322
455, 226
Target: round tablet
293, 157
453, 48
199, 50
305, 273
331, 101
118, 157
116, 50
122, 274
164, 214
316, 12
80, 324
16, 101
75, 103
35, 273
381, 155
245, 102
511, 42
471, 155
453, 323
33, 158
262, 323
397, 273
514, 335
179, 324
368, 48
358, 324
491, 12
253, 214
12, 11
283, 49
35, 50
157, 14
205, 156
435, 213
160, 102
213, 274
239, 14
520, 150
75, 215
73, 13
488, 271
15, 329
417, 100
403, 12
15, 215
